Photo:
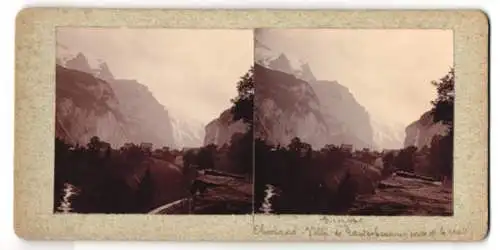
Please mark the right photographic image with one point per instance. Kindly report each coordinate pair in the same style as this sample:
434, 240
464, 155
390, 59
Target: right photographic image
353, 121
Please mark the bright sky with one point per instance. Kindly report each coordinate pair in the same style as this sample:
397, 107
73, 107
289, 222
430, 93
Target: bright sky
191, 72
388, 71
194, 72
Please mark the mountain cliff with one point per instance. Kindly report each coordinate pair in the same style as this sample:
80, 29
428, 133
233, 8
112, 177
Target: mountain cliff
420, 132
286, 63
87, 106
287, 107
292, 102
220, 130
388, 136
188, 132
91, 101
147, 120
349, 122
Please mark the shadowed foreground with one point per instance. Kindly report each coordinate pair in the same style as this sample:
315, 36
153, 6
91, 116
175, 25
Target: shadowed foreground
215, 193
398, 195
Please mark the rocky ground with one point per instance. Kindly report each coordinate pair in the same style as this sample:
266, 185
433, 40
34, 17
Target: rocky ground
399, 194
406, 195
224, 195
218, 193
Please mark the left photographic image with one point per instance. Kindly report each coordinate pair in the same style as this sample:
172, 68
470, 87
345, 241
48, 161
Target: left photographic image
156, 121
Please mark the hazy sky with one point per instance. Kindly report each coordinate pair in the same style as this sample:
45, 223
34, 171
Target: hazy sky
191, 72
388, 71
194, 72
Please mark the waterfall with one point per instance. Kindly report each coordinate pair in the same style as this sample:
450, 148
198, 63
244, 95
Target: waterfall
69, 192
266, 207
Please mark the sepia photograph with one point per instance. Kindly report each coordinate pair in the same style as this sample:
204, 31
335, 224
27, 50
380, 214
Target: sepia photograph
156, 121
354, 121
251, 125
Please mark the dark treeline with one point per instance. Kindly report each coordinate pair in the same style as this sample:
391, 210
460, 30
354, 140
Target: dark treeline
123, 180
299, 173
435, 160
110, 180
120, 180
237, 155
441, 151
316, 181
324, 180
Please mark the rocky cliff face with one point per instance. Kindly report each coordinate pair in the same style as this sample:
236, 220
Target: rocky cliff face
285, 63
421, 132
291, 102
220, 130
388, 136
349, 122
287, 107
91, 102
147, 120
187, 131
86, 107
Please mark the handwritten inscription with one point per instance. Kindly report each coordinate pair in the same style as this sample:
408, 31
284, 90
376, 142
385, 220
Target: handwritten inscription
323, 231
332, 220
273, 230
315, 231
454, 231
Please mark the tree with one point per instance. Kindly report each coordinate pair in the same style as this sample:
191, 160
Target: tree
444, 102
243, 104
94, 143
189, 158
406, 159
388, 160
441, 152
368, 157
295, 144
206, 157
241, 151
166, 154
144, 195
441, 155
133, 154
107, 154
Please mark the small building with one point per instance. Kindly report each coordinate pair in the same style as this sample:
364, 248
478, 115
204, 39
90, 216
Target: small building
104, 149
103, 146
393, 152
158, 153
185, 149
128, 145
146, 146
346, 147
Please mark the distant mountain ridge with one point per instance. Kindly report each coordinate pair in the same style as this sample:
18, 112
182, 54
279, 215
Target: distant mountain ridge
421, 132
388, 136
292, 102
221, 129
134, 109
287, 107
187, 131
86, 107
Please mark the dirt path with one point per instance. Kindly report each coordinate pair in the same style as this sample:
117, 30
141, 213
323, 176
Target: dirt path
399, 195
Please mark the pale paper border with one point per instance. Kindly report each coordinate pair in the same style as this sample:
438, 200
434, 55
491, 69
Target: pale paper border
34, 128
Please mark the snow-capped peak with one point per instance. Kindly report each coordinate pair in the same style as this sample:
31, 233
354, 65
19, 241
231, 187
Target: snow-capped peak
387, 135
85, 62
284, 62
188, 131
264, 56
64, 54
